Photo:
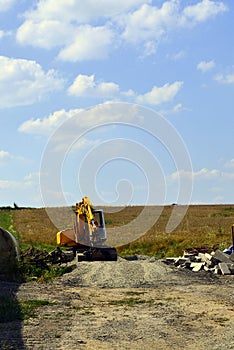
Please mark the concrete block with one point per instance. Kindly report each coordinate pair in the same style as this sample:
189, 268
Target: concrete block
197, 266
217, 270
208, 256
224, 268
231, 256
231, 268
222, 257
206, 268
170, 260
206, 259
181, 261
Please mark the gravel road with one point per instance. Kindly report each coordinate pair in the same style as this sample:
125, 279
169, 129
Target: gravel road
128, 304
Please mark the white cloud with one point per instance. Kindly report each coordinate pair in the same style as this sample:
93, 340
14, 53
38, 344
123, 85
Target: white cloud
48, 124
85, 30
225, 79
4, 155
230, 164
7, 184
28, 181
178, 55
204, 10
5, 5
22, 82
149, 23
75, 120
80, 144
46, 34
88, 43
161, 94
85, 85
203, 174
60, 25
21, 191
81, 11
175, 109
205, 66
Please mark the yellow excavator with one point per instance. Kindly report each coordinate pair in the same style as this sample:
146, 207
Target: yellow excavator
88, 235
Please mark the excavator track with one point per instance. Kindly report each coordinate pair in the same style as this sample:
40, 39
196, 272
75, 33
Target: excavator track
103, 253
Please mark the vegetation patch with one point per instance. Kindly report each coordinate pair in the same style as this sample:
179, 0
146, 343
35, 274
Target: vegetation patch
6, 219
39, 265
130, 302
13, 309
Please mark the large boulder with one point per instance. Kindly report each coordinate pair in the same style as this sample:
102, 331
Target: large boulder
9, 253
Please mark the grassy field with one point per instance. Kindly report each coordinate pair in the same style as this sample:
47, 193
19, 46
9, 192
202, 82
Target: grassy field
203, 225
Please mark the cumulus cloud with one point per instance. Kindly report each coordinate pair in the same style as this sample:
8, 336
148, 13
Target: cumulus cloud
88, 43
4, 156
22, 82
66, 25
27, 182
85, 85
87, 30
160, 94
46, 34
205, 66
203, 174
225, 78
81, 11
22, 191
230, 163
48, 124
5, 5
149, 22
204, 10
74, 120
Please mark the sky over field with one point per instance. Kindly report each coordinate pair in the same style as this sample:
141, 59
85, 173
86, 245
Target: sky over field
128, 102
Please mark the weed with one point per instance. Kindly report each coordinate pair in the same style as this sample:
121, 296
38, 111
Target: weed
131, 292
221, 320
130, 302
57, 336
5, 346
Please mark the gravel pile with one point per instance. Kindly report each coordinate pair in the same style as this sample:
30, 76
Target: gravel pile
137, 272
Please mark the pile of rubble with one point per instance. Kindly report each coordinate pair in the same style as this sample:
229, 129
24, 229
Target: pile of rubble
216, 262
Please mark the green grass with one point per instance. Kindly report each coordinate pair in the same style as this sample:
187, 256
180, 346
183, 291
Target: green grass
6, 219
32, 272
12, 309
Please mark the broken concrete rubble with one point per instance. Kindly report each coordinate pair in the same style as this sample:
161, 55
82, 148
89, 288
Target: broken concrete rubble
216, 262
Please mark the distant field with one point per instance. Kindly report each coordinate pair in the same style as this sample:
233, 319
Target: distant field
203, 225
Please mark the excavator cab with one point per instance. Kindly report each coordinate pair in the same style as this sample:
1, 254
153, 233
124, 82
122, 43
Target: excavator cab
99, 222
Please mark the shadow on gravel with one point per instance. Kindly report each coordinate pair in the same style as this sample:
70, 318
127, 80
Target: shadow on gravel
11, 317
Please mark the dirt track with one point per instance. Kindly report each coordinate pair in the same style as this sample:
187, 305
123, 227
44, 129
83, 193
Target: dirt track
126, 305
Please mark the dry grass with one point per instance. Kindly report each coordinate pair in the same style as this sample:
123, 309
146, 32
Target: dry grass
203, 225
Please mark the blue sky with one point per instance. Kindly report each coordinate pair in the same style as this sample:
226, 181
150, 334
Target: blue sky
124, 61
